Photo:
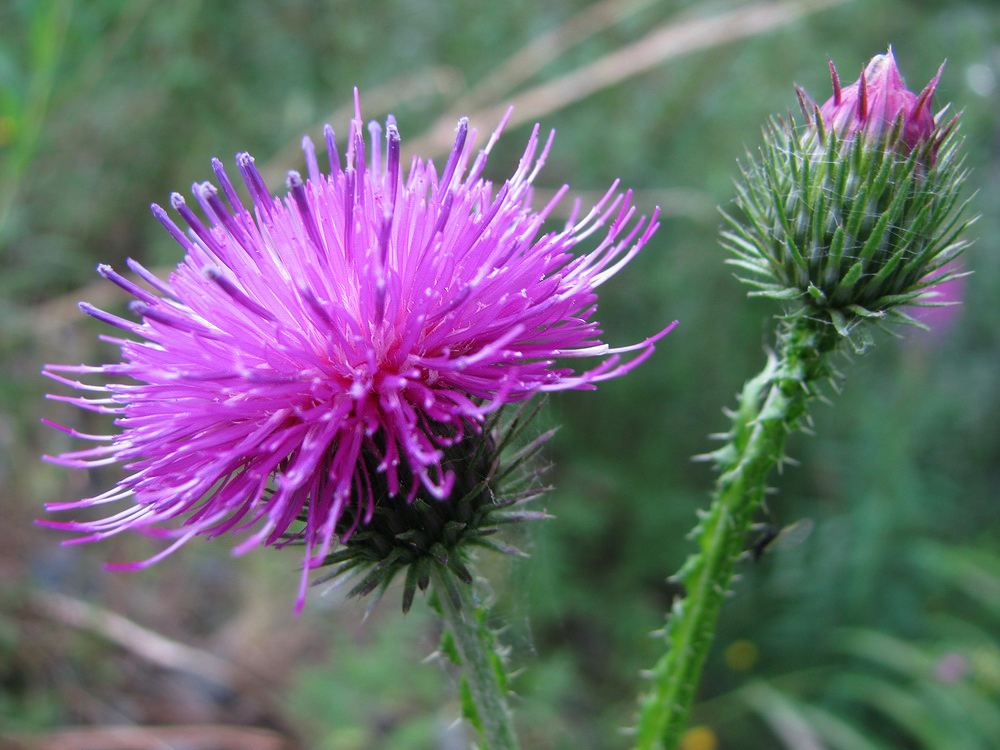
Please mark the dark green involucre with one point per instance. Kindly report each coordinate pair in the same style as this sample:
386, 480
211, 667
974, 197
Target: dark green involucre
848, 230
493, 484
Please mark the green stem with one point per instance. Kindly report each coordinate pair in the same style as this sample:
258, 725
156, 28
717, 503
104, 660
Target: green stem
481, 667
771, 405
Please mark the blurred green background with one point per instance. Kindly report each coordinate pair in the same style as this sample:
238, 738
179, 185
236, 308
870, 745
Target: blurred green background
873, 624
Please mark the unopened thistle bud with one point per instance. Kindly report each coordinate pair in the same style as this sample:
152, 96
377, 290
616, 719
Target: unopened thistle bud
853, 214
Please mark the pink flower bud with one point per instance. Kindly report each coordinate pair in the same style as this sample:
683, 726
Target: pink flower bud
877, 100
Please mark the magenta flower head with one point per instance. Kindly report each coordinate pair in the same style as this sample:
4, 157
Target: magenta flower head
320, 356
878, 102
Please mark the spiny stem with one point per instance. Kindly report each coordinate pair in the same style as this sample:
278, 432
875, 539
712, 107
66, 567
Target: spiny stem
771, 405
481, 667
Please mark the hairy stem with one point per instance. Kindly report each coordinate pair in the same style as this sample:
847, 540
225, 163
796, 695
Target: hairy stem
482, 670
771, 405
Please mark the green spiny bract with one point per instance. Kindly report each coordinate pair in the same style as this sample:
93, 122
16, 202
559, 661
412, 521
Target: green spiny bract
848, 229
493, 484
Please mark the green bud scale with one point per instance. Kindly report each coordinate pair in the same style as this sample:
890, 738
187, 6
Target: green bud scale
849, 225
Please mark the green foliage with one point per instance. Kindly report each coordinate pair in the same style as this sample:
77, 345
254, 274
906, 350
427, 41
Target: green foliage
934, 691
345, 702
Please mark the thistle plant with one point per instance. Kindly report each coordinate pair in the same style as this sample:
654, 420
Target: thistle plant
843, 219
329, 370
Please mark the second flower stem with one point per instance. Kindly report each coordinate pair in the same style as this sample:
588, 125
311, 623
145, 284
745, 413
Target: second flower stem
481, 668
771, 405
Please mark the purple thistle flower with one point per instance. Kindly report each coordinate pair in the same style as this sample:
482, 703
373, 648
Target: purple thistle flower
873, 104
368, 318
